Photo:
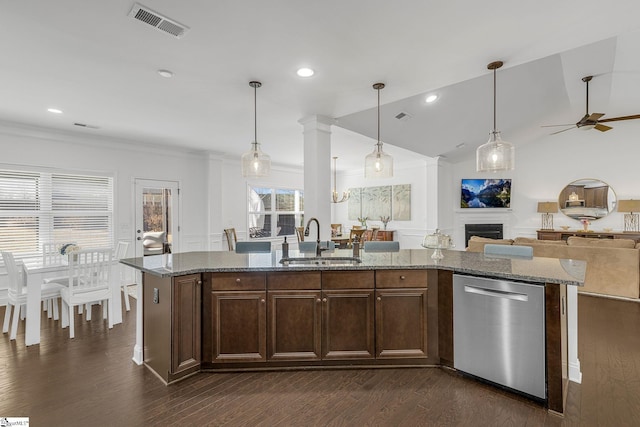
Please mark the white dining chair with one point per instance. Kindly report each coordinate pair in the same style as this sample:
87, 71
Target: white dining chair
89, 282
51, 257
121, 252
17, 294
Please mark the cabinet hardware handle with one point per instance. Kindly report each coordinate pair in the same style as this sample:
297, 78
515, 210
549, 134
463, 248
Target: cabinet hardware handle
402, 277
318, 300
262, 300
324, 300
379, 299
237, 280
199, 282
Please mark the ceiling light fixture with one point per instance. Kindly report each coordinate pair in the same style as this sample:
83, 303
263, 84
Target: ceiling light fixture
378, 164
431, 98
495, 155
165, 73
54, 110
305, 72
255, 163
334, 193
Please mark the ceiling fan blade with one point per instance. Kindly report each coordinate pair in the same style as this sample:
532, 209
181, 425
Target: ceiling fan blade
564, 130
595, 116
617, 119
550, 126
602, 128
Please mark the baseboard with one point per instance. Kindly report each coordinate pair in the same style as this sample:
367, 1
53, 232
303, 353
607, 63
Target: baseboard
575, 374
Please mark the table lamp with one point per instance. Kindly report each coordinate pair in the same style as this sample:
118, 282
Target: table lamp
547, 209
631, 222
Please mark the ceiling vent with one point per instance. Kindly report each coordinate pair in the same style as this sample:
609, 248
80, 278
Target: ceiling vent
159, 22
403, 116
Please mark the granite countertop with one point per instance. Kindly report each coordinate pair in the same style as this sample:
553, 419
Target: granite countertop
535, 270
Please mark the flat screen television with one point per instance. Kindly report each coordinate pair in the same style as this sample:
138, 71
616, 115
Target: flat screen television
485, 193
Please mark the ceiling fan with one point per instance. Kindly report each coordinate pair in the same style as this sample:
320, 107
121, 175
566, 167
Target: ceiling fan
591, 121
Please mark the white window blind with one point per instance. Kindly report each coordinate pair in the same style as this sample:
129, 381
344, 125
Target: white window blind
53, 207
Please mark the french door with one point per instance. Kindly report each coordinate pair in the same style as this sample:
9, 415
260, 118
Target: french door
157, 219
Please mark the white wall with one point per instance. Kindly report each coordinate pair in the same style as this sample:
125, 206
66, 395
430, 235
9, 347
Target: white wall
544, 166
126, 161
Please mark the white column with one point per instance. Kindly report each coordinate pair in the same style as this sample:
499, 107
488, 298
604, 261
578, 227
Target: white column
317, 172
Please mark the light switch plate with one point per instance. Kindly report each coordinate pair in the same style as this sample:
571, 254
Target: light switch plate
156, 296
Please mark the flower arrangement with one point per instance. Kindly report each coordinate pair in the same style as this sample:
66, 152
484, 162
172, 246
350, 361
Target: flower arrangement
363, 221
68, 248
385, 220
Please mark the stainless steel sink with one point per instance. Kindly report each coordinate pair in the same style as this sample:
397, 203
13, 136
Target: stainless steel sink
321, 261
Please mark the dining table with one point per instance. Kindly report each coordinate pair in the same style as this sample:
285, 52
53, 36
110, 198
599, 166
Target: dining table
37, 275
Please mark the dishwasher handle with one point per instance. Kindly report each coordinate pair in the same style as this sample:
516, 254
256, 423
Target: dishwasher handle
496, 293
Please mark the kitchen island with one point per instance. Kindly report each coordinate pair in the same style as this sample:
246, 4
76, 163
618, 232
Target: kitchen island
214, 311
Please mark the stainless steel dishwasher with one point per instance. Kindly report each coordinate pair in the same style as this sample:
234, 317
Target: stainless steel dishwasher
499, 332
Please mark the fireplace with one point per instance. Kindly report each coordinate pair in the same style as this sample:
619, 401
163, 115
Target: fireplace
491, 231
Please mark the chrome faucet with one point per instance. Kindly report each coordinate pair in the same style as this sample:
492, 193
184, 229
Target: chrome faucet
306, 233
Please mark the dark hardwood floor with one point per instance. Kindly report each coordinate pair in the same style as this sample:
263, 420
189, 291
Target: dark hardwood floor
91, 381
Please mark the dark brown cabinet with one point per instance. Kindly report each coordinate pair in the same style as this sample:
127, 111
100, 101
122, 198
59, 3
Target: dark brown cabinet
348, 315
171, 326
294, 316
401, 314
235, 324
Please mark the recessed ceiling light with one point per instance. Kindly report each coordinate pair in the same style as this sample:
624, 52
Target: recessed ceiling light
431, 98
305, 72
54, 110
165, 73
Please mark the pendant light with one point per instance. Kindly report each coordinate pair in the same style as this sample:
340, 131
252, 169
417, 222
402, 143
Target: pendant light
378, 164
255, 163
496, 154
334, 193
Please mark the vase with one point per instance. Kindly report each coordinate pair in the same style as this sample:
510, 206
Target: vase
585, 225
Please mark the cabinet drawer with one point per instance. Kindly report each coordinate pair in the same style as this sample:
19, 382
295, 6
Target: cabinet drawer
238, 281
294, 280
401, 279
348, 279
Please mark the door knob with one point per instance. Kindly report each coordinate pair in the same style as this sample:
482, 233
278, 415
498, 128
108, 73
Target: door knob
139, 238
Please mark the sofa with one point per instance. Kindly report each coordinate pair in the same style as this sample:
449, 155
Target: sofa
613, 265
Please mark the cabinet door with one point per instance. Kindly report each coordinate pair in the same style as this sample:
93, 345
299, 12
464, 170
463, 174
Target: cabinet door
238, 329
401, 323
294, 325
186, 320
348, 324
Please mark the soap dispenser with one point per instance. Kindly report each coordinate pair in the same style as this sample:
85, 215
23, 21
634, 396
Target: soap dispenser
356, 247
285, 248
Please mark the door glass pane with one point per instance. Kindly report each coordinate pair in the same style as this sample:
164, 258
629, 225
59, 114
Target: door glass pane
156, 219
259, 225
285, 200
286, 224
260, 199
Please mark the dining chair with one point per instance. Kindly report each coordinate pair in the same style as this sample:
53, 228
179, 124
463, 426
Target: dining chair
50, 256
89, 281
508, 250
230, 234
248, 247
375, 246
336, 230
17, 294
121, 252
300, 234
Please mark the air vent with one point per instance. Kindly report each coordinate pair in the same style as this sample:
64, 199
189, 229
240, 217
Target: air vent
157, 21
84, 125
403, 116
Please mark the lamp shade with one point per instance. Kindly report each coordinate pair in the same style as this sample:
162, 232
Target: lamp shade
628, 205
547, 207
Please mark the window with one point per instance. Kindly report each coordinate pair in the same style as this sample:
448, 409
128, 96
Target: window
274, 211
53, 207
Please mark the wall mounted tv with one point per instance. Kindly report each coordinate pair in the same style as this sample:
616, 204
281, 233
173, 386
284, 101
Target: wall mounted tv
485, 193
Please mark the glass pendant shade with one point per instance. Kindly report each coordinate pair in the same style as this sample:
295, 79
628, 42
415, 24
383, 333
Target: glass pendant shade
495, 155
255, 163
378, 164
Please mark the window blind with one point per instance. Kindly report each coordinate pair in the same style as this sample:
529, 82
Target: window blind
53, 207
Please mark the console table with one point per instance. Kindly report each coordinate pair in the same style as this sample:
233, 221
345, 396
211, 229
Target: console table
564, 235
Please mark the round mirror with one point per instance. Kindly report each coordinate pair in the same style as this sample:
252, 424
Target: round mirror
587, 199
